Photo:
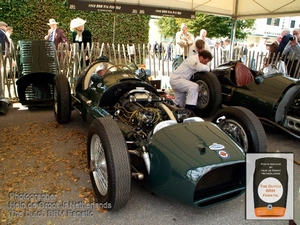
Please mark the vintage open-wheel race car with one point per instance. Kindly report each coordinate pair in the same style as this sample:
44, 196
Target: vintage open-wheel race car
37, 66
137, 132
273, 97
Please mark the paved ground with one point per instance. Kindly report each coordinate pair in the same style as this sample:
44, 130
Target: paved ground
43, 167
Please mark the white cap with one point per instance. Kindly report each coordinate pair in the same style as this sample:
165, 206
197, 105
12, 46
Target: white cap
100, 67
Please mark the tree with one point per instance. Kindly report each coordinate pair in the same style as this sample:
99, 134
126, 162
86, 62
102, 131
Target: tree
216, 26
29, 20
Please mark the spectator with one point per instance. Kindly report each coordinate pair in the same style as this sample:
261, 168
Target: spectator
81, 35
273, 48
55, 34
292, 53
97, 76
222, 44
202, 36
169, 51
101, 69
285, 33
155, 49
245, 53
226, 50
9, 31
217, 53
3, 38
252, 56
262, 45
236, 52
11, 63
161, 50
296, 32
183, 41
180, 79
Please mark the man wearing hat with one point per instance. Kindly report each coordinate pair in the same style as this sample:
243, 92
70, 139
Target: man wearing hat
97, 77
55, 34
80, 35
3, 37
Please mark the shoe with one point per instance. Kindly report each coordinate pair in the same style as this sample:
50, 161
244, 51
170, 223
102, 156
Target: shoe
190, 107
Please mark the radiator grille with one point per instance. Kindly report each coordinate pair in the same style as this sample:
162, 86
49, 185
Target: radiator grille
220, 184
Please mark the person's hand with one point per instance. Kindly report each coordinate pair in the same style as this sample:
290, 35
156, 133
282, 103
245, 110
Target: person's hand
296, 38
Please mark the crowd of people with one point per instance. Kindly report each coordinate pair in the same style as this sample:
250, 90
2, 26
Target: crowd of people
196, 54
185, 46
80, 35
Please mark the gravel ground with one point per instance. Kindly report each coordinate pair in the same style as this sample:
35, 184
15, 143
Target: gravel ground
44, 179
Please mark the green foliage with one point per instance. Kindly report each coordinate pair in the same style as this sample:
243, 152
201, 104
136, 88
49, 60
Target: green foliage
29, 20
216, 26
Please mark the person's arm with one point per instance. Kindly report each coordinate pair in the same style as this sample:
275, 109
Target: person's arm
283, 43
192, 50
89, 37
63, 37
287, 49
190, 40
3, 41
202, 68
73, 36
194, 62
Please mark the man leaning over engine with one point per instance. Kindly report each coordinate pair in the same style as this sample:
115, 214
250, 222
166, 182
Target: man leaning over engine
186, 91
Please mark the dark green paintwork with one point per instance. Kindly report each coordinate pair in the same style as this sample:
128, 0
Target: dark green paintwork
259, 98
173, 155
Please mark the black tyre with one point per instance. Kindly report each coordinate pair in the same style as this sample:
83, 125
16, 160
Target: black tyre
244, 128
109, 164
210, 95
62, 99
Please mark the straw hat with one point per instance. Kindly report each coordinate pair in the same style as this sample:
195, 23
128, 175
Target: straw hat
77, 22
3, 24
52, 21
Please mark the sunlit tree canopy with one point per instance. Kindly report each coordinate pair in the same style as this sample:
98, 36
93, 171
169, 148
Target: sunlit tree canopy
216, 26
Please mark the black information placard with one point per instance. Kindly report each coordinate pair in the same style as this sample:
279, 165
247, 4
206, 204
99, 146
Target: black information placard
269, 189
130, 9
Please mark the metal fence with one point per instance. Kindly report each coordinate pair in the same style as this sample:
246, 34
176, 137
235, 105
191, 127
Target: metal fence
71, 61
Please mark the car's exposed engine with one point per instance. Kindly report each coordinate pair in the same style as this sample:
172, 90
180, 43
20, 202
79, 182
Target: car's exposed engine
142, 110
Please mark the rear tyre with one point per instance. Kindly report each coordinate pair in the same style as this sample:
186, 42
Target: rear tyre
109, 164
62, 99
209, 96
243, 127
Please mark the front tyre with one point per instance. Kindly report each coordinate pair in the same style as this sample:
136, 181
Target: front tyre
109, 164
243, 127
62, 99
209, 95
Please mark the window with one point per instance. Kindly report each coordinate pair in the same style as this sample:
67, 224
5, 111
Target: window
273, 21
292, 24
276, 22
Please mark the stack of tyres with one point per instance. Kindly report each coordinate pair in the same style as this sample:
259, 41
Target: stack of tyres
37, 66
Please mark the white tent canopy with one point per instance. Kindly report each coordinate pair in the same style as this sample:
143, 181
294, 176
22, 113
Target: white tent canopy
237, 9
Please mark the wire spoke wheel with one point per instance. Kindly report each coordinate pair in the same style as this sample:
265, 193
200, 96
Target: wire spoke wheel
98, 162
237, 132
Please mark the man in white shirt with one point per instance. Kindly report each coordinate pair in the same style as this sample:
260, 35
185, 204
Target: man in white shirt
203, 37
198, 46
186, 91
